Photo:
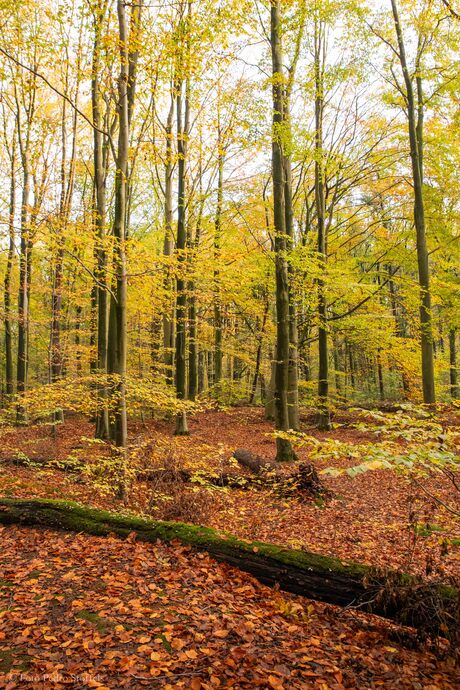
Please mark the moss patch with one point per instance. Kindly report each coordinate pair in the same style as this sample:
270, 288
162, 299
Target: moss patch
102, 624
10, 661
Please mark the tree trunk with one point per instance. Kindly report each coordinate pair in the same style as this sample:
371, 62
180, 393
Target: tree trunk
284, 450
217, 248
453, 373
324, 419
99, 296
181, 244
23, 298
260, 340
117, 321
415, 128
293, 374
9, 370
168, 248
193, 374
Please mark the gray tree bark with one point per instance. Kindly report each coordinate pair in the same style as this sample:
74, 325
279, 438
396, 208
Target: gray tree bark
414, 106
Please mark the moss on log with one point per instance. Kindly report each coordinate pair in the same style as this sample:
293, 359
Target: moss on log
399, 597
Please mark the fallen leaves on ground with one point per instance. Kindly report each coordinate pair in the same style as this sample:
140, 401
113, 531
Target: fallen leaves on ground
80, 611
83, 612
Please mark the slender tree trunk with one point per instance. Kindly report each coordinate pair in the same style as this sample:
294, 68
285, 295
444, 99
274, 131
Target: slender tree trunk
202, 371
260, 340
453, 372
218, 321
168, 248
337, 372
380, 376
284, 450
324, 421
415, 127
351, 361
78, 313
181, 244
117, 319
193, 385
67, 185
9, 369
100, 293
293, 375
23, 298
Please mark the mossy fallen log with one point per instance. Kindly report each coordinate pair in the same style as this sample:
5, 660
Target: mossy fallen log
433, 608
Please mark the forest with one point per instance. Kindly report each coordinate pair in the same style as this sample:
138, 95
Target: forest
230, 316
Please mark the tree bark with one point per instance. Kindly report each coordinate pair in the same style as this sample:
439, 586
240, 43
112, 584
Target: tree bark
168, 247
218, 355
183, 124
414, 103
284, 450
128, 39
453, 373
23, 298
100, 292
324, 419
9, 369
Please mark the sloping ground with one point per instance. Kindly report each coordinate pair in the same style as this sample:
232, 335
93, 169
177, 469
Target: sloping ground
366, 519
79, 611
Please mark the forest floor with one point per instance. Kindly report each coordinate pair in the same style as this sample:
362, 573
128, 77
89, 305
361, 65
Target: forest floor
135, 615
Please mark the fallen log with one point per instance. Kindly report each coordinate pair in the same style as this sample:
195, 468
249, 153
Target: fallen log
303, 482
247, 459
303, 479
162, 475
407, 600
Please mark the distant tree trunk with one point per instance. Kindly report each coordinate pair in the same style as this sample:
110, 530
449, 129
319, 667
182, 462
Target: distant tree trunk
324, 420
284, 450
9, 369
380, 375
217, 248
338, 383
293, 375
23, 298
193, 375
202, 371
414, 110
270, 399
183, 123
260, 340
168, 247
67, 187
453, 364
78, 312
